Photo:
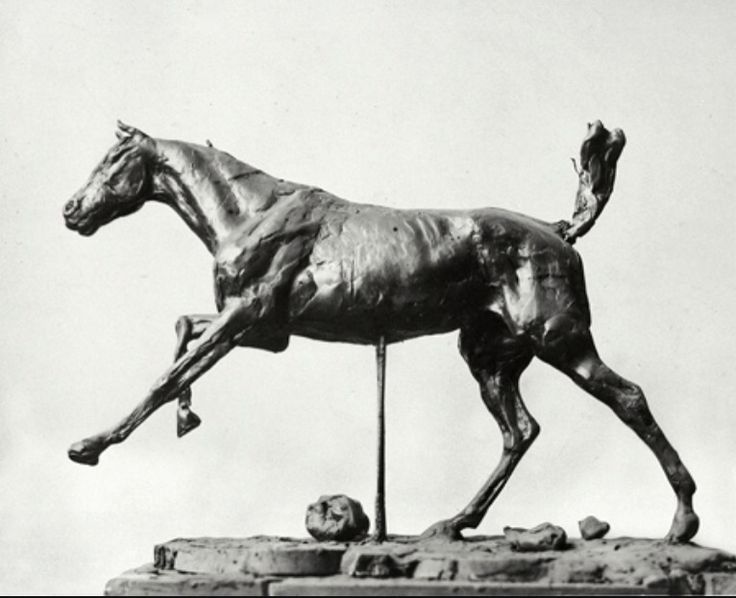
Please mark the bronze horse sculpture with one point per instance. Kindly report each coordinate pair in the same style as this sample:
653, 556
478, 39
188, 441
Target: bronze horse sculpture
292, 259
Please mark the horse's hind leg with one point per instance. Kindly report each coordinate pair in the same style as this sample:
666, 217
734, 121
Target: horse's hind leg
573, 352
496, 360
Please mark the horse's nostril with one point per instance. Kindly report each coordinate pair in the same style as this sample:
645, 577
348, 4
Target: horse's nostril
69, 207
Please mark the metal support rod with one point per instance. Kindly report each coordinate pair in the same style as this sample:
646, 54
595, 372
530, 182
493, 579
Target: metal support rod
379, 534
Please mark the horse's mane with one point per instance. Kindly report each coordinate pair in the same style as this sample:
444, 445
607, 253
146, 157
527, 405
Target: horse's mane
221, 172
208, 158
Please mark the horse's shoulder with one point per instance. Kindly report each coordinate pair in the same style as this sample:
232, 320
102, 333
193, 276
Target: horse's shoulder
258, 239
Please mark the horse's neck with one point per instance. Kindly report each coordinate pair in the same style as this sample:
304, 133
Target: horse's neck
211, 191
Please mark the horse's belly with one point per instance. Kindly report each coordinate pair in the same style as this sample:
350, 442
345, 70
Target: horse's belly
402, 320
334, 316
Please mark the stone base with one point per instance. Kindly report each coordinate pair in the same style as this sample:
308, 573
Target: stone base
150, 581
405, 566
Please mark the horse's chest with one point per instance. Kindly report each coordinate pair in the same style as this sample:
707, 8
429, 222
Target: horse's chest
243, 270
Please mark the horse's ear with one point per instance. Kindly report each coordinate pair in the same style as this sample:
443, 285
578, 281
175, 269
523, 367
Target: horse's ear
126, 131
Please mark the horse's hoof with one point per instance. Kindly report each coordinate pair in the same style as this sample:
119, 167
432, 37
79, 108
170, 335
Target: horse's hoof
186, 421
684, 527
85, 452
442, 530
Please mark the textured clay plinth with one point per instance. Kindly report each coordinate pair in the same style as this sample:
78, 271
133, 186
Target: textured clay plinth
405, 566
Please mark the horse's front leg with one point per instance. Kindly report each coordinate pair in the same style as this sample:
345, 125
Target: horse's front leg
188, 329
216, 341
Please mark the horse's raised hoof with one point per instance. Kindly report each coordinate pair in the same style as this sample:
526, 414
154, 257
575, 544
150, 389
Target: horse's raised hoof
186, 421
442, 530
684, 527
86, 452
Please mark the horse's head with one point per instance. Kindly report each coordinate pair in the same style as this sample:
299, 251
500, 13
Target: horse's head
118, 186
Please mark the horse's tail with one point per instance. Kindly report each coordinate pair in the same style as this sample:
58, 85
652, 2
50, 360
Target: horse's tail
598, 156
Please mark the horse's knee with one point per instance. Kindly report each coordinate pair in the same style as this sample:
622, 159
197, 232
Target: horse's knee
684, 483
183, 326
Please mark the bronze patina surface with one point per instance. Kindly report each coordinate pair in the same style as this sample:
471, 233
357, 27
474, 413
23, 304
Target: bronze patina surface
291, 259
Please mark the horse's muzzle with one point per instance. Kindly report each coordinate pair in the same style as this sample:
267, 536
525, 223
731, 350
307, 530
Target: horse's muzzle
81, 225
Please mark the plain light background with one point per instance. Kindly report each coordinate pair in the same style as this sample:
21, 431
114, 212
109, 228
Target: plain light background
409, 104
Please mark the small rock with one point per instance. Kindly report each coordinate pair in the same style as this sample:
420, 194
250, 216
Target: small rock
337, 517
592, 528
544, 536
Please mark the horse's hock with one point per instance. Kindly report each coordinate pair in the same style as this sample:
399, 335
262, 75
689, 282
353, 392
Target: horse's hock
266, 566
